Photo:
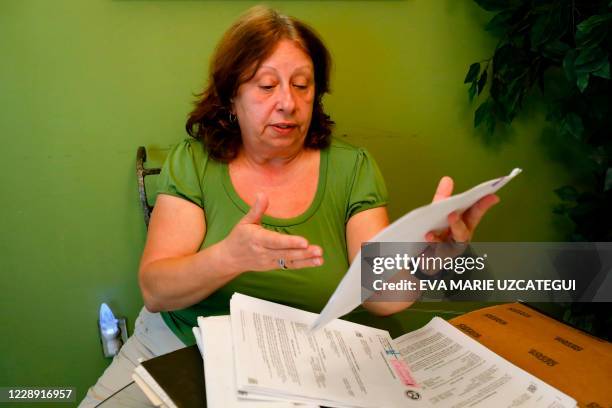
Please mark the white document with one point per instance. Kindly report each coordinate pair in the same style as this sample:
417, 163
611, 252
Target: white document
351, 365
457, 371
215, 333
412, 227
198, 338
345, 364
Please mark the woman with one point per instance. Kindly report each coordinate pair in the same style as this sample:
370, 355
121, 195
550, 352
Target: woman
251, 202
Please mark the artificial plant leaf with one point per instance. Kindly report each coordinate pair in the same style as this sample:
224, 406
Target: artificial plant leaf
568, 65
516, 92
540, 30
594, 21
567, 193
561, 209
483, 111
582, 80
598, 156
510, 94
472, 91
517, 40
592, 31
572, 124
482, 82
500, 23
587, 39
590, 60
505, 62
555, 49
550, 26
603, 71
472, 73
608, 181
504, 56
497, 5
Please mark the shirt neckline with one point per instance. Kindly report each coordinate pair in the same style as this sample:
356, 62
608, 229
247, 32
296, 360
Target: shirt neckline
282, 222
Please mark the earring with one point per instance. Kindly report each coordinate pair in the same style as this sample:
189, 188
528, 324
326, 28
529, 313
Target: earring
232, 118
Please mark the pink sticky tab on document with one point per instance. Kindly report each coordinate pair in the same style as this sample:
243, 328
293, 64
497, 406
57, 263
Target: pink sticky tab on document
403, 372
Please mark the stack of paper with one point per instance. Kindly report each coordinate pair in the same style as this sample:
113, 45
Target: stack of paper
264, 355
214, 335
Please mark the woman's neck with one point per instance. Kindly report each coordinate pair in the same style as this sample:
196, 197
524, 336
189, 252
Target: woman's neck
270, 163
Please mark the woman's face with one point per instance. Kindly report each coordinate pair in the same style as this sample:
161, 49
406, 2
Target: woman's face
274, 108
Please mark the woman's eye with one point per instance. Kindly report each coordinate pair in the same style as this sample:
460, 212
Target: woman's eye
266, 87
300, 86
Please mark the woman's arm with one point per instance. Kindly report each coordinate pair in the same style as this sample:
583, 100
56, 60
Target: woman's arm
360, 228
175, 274
364, 225
172, 273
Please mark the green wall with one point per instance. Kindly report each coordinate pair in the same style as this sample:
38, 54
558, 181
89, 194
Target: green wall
83, 83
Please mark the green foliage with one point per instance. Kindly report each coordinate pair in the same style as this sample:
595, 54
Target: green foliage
472, 73
496, 5
562, 51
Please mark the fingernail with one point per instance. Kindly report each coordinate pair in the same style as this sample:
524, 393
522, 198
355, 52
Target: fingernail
318, 261
317, 251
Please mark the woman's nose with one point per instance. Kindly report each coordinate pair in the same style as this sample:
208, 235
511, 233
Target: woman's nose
286, 100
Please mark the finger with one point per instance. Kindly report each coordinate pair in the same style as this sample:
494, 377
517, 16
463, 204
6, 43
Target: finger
475, 213
305, 263
459, 231
433, 237
444, 190
276, 240
312, 251
257, 210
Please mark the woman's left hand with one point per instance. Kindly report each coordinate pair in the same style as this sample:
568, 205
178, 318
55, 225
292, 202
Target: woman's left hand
461, 227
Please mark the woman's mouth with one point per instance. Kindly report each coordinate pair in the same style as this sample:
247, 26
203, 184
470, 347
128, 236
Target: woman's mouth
283, 128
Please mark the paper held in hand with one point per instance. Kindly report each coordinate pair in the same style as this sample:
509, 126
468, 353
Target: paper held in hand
412, 227
264, 356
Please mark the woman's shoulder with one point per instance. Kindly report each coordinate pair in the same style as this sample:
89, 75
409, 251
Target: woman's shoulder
341, 144
342, 151
190, 145
189, 156
188, 149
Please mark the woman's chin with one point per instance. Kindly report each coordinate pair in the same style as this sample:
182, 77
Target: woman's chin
289, 139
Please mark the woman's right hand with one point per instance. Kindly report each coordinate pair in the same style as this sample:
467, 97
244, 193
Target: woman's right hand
251, 247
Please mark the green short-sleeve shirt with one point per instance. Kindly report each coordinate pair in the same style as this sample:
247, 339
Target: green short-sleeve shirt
349, 182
